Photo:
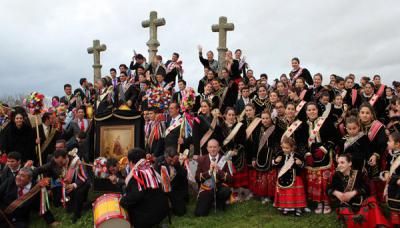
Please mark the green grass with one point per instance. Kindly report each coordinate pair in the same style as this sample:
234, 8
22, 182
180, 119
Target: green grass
247, 214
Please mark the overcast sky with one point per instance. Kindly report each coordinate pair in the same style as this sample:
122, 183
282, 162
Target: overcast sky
43, 43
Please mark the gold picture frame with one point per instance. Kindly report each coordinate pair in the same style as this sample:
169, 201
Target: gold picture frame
116, 140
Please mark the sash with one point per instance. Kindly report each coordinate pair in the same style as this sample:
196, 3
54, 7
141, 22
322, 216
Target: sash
208, 134
233, 133
380, 90
102, 96
252, 126
373, 131
314, 132
394, 166
373, 100
288, 164
165, 179
351, 140
327, 110
293, 127
173, 126
21, 200
354, 93
297, 74
302, 94
352, 181
48, 139
227, 158
241, 116
224, 94
300, 106
265, 137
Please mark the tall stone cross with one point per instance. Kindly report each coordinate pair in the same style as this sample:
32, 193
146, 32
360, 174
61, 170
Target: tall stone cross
222, 28
152, 24
95, 50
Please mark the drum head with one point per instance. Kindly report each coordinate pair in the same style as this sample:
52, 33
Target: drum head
112, 223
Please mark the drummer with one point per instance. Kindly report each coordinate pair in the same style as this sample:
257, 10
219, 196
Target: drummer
144, 200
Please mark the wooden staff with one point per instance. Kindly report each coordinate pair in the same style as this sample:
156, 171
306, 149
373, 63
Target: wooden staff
38, 145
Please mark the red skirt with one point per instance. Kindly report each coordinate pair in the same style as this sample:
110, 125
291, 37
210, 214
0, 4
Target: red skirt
395, 217
262, 184
369, 215
240, 179
317, 183
291, 197
377, 187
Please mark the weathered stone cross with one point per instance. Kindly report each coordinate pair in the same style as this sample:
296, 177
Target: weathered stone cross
222, 28
95, 50
152, 24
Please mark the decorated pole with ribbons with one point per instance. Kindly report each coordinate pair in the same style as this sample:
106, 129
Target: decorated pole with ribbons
34, 104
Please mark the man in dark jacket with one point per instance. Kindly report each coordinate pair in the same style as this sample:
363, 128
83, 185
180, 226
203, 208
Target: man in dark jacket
144, 200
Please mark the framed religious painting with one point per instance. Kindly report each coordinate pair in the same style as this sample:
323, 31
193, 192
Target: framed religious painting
116, 140
114, 136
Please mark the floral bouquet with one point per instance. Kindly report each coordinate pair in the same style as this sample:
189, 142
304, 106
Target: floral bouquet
188, 99
158, 98
34, 102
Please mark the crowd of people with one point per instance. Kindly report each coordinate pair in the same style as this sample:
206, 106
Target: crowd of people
286, 142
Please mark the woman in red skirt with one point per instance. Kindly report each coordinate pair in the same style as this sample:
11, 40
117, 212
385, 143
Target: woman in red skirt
322, 140
262, 179
357, 208
232, 136
289, 195
253, 127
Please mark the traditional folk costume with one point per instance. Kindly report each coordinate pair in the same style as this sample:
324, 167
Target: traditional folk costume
362, 210
73, 173
213, 186
204, 128
174, 131
303, 73
352, 98
104, 102
359, 149
378, 142
233, 137
175, 184
290, 191
393, 189
300, 109
322, 138
338, 114
377, 103
18, 203
154, 138
212, 98
144, 199
261, 104
262, 179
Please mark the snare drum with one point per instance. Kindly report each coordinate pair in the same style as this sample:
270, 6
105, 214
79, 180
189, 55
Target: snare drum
108, 213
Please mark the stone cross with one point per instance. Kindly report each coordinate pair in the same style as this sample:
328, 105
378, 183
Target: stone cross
152, 24
95, 50
222, 28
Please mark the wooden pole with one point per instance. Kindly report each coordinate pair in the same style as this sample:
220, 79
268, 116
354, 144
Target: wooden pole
38, 145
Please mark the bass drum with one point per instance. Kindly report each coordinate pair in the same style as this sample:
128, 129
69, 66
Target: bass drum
108, 213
